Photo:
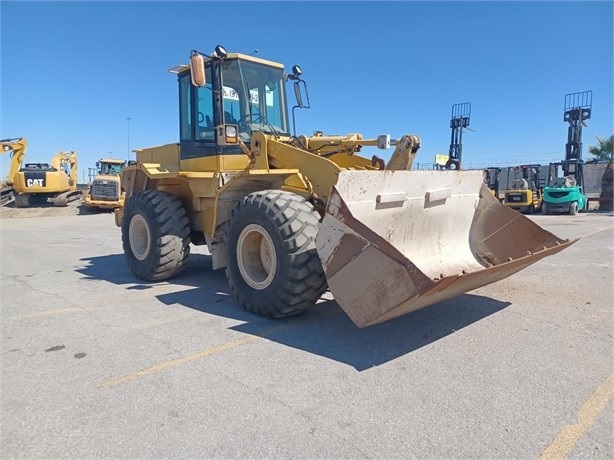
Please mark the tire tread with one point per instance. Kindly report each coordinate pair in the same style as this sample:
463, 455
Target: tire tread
304, 282
170, 235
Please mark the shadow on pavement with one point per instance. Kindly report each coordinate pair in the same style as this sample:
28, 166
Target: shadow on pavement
323, 330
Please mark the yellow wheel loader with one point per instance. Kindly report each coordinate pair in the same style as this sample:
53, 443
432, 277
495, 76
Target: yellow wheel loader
288, 216
16, 147
105, 190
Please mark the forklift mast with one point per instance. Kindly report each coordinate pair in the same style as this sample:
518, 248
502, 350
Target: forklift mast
460, 119
577, 109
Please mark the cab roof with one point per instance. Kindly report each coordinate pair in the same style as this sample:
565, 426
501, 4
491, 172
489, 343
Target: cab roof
230, 56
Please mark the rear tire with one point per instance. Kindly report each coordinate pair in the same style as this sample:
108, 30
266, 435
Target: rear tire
273, 268
573, 208
155, 235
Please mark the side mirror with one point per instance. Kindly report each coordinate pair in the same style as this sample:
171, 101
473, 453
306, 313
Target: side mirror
298, 94
197, 70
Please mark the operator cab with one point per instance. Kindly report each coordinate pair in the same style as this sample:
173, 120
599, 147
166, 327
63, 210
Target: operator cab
235, 96
110, 167
567, 173
37, 167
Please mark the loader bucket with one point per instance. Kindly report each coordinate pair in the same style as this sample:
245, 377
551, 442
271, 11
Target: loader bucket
392, 242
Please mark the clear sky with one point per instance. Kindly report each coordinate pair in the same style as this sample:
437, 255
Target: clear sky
73, 72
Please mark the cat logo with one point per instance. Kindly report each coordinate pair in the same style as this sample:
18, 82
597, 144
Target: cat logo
35, 183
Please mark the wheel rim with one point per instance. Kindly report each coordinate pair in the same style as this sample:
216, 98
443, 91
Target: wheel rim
256, 257
140, 238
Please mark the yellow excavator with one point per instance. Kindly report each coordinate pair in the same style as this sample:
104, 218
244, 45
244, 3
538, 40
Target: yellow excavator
289, 216
39, 183
16, 147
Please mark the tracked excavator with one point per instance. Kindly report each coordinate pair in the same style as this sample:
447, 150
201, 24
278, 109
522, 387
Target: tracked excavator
288, 216
40, 183
16, 147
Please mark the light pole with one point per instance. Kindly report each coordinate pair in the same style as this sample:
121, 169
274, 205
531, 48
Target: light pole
128, 118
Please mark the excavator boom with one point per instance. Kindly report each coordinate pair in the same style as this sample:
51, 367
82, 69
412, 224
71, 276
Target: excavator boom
17, 149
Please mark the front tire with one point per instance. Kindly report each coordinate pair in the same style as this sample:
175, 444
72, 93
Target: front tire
155, 235
573, 208
273, 268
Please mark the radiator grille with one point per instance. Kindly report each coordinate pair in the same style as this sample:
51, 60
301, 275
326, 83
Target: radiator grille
105, 190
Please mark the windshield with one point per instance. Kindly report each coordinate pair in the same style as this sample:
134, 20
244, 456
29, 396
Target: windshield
254, 98
108, 168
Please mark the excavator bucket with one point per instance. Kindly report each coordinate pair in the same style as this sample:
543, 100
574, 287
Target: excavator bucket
392, 242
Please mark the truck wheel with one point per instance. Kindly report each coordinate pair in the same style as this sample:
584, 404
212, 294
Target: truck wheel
273, 268
573, 208
155, 235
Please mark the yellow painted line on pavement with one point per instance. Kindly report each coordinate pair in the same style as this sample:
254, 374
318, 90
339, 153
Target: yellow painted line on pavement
594, 232
103, 302
56, 311
189, 358
567, 438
